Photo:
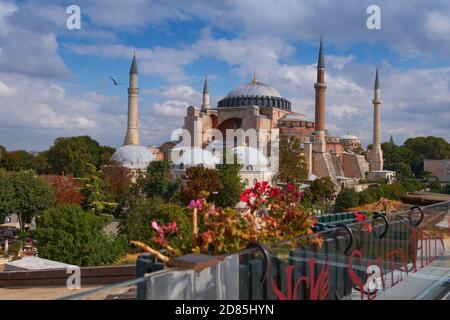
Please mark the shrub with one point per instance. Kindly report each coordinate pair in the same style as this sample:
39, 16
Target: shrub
346, 199
446, 189
365, 198
394, 191
71, 235
136, 222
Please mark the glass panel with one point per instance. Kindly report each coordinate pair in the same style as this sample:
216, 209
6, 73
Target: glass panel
406, 259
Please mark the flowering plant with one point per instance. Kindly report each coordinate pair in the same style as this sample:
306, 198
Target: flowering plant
364, 217
274, 214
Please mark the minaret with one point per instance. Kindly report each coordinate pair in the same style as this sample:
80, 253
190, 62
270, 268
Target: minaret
132, 136
205, 104
320, 87
376, 155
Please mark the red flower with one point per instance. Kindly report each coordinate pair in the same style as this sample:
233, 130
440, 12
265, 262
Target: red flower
359, 216
244, 197
264, 186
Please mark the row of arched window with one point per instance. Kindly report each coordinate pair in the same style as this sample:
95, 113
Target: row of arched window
262, 101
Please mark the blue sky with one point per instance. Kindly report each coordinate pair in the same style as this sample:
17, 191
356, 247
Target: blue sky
55, 82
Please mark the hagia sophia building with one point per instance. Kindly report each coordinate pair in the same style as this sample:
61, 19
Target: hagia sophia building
259, 108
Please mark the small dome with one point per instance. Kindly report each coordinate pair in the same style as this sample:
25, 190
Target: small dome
187, 156
250, 156
254, 88
349, 137
133, 156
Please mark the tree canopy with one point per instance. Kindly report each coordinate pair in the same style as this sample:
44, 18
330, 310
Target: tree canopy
71, 235
200, 179
232, 185
292, 164
157, 182
24, 194
71, 155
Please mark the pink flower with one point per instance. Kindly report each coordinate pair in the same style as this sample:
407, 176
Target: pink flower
173, 227
199, 204
192, 204
158, 229
212, 210
196, 204
155, 226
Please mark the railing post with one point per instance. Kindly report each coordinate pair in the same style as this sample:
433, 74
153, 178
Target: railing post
144, 265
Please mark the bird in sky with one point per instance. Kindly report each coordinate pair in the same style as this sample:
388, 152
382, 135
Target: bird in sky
115, 82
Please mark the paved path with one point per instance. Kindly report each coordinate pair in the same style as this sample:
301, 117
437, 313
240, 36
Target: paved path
52, 293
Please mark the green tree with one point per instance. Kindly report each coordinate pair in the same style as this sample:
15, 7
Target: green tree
19, 160
119, 184
93, 187
446, 189
200, 179
426, 148
107, 152
158, 184
346, 199
24, 194
137, 218
42, 165
2, 152
322, 189
292, 164
71, 235
232, 185
70, 156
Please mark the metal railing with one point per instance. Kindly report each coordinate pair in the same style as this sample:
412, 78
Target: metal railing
404, 256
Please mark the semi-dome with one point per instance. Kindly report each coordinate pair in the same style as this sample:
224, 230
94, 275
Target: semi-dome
348, 136
255, 93
254, 88
133, 156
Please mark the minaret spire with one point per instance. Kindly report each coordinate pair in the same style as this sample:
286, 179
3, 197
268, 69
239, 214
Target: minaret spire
320, 87
134, 69
254, 77
132, 136
377, 81
321, 60
205, 104
376, 155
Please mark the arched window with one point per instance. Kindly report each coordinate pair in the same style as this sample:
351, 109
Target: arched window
246, 182
255, 181
249, 167
182, 166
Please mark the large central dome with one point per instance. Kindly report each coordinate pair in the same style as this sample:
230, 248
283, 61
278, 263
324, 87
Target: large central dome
255, 93
254, 88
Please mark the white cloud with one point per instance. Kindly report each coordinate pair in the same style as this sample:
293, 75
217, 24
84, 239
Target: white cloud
171, 108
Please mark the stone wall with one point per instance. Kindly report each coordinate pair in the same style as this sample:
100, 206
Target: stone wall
439, 168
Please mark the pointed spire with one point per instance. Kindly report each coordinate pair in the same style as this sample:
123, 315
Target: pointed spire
321, 61
205, 86
133, 69
391, 140
377, 81
254, 77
